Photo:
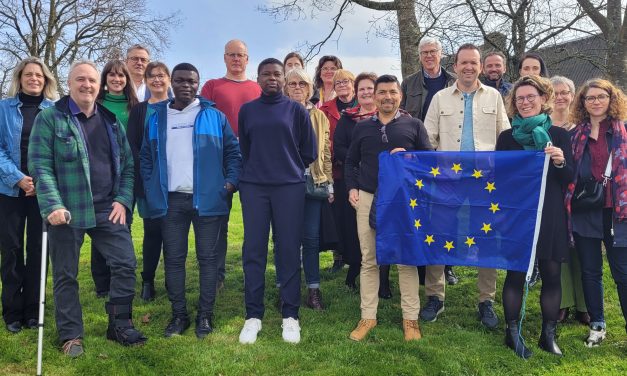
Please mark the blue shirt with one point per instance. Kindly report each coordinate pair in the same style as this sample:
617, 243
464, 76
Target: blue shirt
468, 140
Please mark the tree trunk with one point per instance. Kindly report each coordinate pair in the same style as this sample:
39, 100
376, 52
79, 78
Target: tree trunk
409, 36
617, 62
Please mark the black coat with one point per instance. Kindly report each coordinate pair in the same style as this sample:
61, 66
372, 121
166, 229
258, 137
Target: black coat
553, 237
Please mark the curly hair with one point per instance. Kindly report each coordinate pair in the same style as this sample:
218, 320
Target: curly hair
542, 85
617, 107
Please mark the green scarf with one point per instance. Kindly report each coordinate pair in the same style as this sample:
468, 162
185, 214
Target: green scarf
532, 132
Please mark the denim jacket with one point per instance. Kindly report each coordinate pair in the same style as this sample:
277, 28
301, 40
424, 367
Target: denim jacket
11, 122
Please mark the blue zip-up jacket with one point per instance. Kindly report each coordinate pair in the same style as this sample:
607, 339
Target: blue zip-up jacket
217, 160
11, 122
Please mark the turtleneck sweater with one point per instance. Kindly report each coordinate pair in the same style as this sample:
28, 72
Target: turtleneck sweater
118, 104
276, 139
29, 110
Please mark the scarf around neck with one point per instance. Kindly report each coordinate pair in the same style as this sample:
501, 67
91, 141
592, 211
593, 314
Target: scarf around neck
619, 167
532, 132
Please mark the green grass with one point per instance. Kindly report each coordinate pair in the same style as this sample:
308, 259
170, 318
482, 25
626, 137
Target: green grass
456, 344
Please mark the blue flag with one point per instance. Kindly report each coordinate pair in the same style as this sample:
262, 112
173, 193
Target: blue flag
460, 208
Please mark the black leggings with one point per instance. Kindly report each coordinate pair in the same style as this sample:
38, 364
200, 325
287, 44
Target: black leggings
550, 295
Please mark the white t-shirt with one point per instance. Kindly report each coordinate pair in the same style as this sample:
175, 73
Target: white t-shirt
179, 147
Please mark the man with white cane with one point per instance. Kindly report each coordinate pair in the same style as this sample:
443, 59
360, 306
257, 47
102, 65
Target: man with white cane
81, 163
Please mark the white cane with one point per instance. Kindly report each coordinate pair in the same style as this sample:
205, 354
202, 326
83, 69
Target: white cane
42, 289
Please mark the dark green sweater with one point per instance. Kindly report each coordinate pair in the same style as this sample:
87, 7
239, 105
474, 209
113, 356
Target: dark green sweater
118, 105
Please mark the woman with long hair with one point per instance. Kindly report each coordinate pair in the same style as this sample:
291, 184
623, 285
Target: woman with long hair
32, 89
597, 197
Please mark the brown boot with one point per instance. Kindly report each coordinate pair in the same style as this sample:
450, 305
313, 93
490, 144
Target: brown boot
411, 330
314, 300
363, 327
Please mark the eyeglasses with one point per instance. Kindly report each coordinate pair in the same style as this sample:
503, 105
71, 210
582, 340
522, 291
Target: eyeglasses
342, 82
591, 98
300, 84
156, 77
563, 93
430, 52
136, 59
233, 55
328, 69
384, 136
530, 98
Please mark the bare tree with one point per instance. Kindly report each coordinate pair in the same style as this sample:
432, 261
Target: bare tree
61, 31
409, 33
517, 26
610, 16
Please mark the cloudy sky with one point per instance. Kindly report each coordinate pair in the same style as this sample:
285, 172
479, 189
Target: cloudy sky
207, 25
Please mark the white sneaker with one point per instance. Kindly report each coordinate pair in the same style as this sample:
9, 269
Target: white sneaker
291, 330
596, 336
249, 331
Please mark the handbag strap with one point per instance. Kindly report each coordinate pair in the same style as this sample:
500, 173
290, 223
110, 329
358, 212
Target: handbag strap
607, 175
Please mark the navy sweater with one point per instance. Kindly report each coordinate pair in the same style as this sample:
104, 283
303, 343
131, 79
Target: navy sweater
276, 139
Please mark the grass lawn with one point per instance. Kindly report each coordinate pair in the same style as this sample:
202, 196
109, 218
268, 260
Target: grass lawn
456, 344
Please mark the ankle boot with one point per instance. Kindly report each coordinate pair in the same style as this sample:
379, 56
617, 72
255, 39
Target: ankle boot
121, 329
384, 282
547, 338
514, 340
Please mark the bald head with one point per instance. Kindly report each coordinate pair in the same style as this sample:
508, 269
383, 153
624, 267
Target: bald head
236, 59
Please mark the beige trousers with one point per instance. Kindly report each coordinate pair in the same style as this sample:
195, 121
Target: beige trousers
435, 283
369, 274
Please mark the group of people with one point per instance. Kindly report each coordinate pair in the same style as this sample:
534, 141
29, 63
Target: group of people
303, 155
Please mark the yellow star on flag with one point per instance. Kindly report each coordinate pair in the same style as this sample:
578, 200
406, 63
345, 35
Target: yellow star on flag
486, 227
413, 203
494, 207
417, 223
429, 239
469, 241
419, 184
477, 174
435, 171
490, 187
457, 167
449, 245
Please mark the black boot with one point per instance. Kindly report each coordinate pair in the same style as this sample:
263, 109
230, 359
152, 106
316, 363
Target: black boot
514, 340
121, 327
547, 338
148, 291
384, 282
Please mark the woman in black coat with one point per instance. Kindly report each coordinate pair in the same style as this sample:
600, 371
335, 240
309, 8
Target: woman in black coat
530, 105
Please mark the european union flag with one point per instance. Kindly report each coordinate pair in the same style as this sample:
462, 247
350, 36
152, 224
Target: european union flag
460, 208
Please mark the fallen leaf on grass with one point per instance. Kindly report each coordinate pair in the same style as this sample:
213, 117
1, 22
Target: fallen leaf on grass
146, 318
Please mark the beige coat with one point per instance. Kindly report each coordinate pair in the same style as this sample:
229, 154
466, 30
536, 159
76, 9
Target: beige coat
445, 118
321, 168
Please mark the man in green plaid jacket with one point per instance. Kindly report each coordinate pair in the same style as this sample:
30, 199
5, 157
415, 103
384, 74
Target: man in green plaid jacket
82, 165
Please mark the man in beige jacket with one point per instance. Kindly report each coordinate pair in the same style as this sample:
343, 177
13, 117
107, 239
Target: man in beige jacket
467, 116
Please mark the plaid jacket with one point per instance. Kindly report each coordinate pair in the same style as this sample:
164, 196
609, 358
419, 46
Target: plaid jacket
59, 164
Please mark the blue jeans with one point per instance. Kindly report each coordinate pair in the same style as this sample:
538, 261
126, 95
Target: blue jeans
591, 260
310, 244
175, 230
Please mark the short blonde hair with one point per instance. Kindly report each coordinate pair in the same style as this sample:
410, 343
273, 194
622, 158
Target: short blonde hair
542, 85
50, 83
300, 75
343, 74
